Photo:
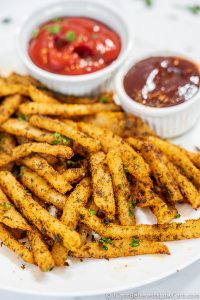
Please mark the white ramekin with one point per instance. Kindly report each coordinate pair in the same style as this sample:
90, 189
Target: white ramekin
167, 122
78, 84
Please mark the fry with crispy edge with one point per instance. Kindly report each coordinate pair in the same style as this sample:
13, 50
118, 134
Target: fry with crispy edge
39, 96
66, 110
42, 255
12, 88
102, 184
26, 149
9, 241
39, 187
120, 248
70, 217
122, 192
157, 232
7, 143
43, 169
132, 160
37, 214
10, 216
179, 158
9, 106
87, 142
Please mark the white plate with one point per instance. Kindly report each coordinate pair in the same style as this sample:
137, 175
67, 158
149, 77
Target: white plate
93, 277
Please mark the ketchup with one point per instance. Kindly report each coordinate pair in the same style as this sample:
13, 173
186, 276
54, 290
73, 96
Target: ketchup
162, 81
73, 46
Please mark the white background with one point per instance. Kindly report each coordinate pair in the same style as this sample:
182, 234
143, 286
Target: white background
168, 25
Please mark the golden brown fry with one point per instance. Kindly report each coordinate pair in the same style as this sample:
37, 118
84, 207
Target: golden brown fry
26, 149
194, 157
36, 214
9, 241
42, 255
43, 169
157, 232
125, 205
120, 248
40, 96
13, 88
66, 110
131, 159
102, 184
23, 80
38, 186
75, 174
9, 106
56, 126
7, 143
179, 158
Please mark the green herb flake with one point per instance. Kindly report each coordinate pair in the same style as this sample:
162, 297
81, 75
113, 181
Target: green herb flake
177, 216
125, 170
21, 171
7, 205
60, 139
46, 270
194, 9
103, 100
23, 118
70, 36
35, 33
92, 211
131, 212
135, 242
104, 242
133, 202
105, 247
53, 29
148, 3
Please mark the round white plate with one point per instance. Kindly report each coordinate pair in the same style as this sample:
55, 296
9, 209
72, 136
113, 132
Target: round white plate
166, 26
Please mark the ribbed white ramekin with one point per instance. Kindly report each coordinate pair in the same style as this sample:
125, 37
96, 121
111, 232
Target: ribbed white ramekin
78, 84
167, 122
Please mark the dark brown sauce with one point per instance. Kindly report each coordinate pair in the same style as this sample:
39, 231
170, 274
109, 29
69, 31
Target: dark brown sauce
162, 81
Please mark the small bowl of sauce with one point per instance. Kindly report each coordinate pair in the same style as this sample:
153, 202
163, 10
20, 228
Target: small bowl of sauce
164, 90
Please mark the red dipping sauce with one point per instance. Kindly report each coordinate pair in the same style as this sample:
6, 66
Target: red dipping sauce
162, 81
73, 46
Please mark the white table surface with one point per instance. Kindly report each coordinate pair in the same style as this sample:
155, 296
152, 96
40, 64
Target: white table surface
168, 25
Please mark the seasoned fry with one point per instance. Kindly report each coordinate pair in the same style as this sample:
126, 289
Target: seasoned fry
39, 96
102, 184
26, 149
125, 204
131, 159
36, 214
38, 186
9, 241
66, 110
13, 88
23, 80
179, 158
56, 126
120, 248
9, 106
75, 174
157, 232
43, 169
7, 143
42, 255
10, 216
195, 158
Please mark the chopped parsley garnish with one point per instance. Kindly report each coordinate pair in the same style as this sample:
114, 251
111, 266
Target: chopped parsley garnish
92, 211
35, 33
46, 270
133, 202
194, 9
21, 171
103, 100
135, 242
70, 36
23, 118
125, 170
6, 205
177, 216
71, 163
60, 139
148, 2
131, 212
53, 29
104, 242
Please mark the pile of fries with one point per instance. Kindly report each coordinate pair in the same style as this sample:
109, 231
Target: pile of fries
72, 172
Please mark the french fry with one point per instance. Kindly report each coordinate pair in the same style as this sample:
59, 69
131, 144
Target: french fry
7, 143
179, 158
10, 216
12, 89
40, 96
125, 204
43, 169
39, 187
56, 126
9, 241
103, 193
70, 217
157, 232
120, 248
66, 110
195, 158
9, 106
131, 159
42, 255
36, 214
75, 174
26, 149
23, 80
